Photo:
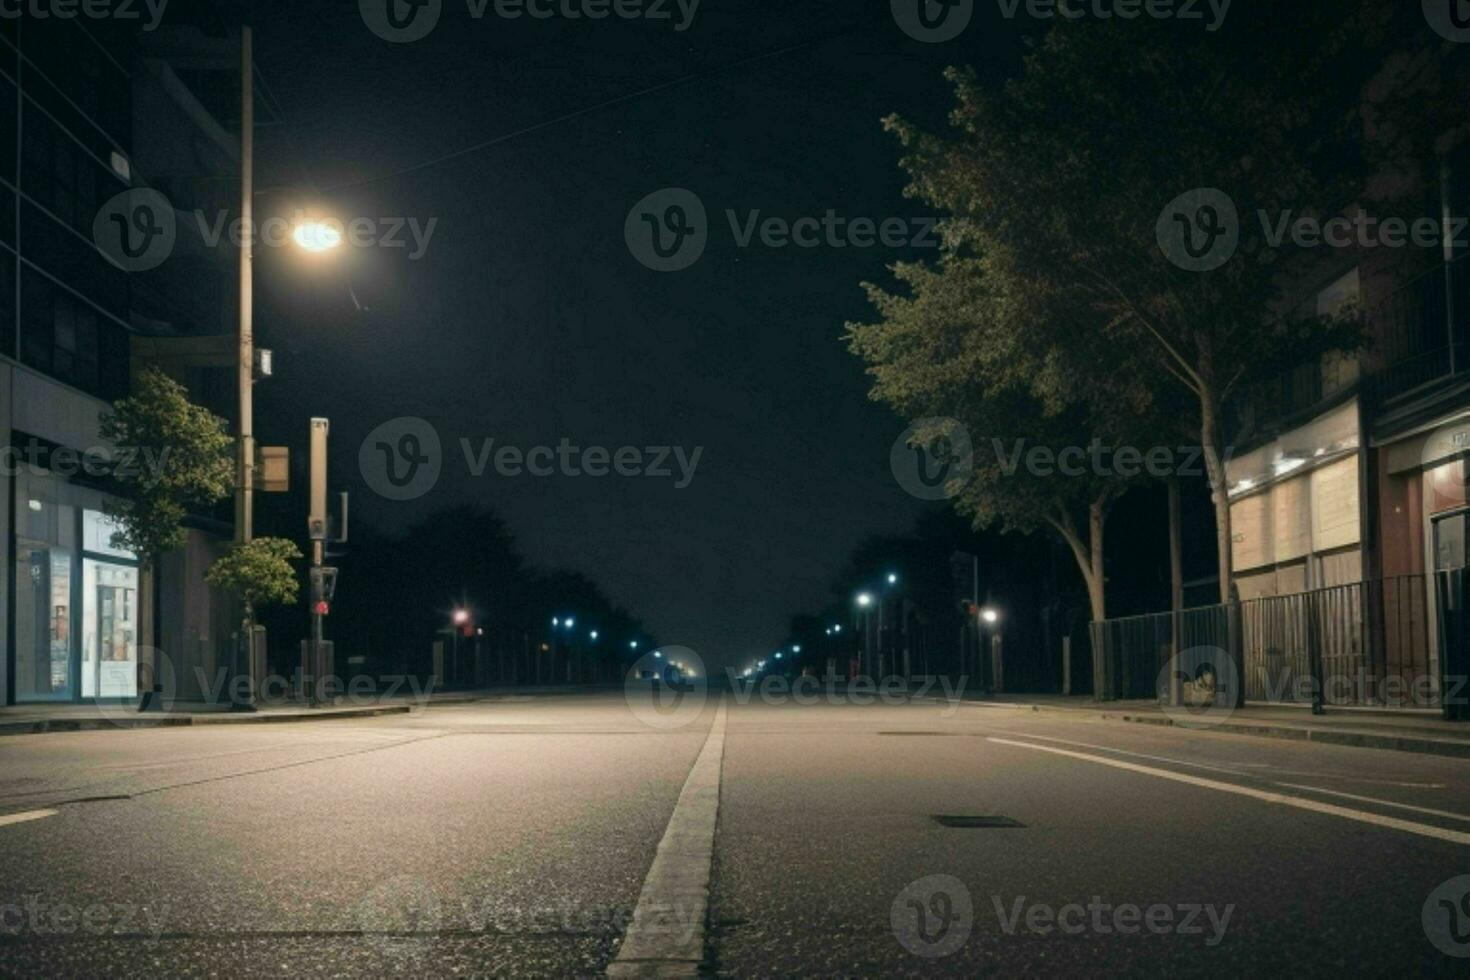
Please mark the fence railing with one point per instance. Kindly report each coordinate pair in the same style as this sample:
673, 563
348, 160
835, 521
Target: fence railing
1363, 644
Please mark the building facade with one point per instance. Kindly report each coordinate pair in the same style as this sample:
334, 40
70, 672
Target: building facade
79, 618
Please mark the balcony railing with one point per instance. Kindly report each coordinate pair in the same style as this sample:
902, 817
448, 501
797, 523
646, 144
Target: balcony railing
1410, 331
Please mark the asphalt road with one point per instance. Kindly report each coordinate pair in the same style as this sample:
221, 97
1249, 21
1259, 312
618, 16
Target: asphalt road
514, 837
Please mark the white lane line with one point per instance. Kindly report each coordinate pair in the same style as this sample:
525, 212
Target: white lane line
1373, 799
1136, 755
1394, 823
25, 815
666, 936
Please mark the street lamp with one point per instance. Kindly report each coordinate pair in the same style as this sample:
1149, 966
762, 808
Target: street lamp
317, 236
989, 615
593, 634
892, 578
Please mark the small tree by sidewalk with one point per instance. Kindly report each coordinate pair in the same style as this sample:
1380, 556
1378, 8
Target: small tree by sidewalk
180, 457
260, 573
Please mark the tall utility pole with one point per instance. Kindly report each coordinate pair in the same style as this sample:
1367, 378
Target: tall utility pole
316, 526
245, 362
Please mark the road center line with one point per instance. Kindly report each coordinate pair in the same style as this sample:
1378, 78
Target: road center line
1362, 816
666, 936
24, 816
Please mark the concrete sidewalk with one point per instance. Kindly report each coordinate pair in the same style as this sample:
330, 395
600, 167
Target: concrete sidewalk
1395, 730
35, 719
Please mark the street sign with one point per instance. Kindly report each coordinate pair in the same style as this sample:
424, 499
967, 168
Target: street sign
273, 466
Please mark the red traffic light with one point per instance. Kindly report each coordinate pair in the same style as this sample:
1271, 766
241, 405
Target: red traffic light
322, 608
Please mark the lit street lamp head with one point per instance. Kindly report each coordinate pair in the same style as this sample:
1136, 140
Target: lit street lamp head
864, 599
317, 236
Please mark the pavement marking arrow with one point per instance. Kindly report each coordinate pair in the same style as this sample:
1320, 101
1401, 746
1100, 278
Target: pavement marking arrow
666, 936
1362, 816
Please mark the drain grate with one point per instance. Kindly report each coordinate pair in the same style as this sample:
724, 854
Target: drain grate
971, 821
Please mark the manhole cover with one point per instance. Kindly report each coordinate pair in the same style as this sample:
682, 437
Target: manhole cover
970, 821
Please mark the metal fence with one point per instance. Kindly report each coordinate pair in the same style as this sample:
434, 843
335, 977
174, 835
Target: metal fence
1363, 644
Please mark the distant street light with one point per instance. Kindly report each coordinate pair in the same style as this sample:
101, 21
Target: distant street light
989, 615
593, 634
571, 622
865, 599
892, 579
632, 644
555, 620
796, 648
461, 616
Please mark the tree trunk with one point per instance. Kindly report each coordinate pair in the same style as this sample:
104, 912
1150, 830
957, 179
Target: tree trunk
1176, 550
1097, 582
1089, 554
1211, 443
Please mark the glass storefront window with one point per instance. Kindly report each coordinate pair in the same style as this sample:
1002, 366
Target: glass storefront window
43, 622
76, 610
109, 630
97, 531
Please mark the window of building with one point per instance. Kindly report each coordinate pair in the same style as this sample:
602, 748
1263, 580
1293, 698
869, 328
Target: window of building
7, 303
1339, 369
63, 336
59, 174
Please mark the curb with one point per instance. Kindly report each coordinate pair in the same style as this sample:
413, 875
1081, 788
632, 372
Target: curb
1420, 744
60, 725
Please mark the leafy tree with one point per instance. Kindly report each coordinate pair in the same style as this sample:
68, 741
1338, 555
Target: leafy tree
1057, 185
259, 571
954, 345
182, 457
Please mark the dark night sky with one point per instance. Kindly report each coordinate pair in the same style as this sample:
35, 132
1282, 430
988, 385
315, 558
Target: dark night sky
528, 320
